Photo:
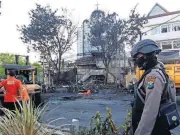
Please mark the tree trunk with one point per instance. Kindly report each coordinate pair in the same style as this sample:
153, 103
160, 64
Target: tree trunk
114, 77
106, 77
59, 68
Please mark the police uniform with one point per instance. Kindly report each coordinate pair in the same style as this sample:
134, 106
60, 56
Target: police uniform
148, 98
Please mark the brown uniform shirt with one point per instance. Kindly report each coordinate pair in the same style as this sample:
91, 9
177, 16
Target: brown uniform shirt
153, 83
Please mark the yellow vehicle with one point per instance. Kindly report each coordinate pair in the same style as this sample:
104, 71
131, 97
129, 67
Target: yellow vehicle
173, 70
171, 60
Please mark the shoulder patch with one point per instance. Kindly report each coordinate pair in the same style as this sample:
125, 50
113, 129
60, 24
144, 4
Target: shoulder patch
150, 82
150, 85
171, 84
151, 78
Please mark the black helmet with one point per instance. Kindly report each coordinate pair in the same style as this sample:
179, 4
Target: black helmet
149, 49
145, 46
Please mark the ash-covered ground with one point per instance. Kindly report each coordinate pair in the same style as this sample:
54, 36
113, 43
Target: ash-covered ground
75, 106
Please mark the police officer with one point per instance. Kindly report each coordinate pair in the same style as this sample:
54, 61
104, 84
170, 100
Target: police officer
149, 92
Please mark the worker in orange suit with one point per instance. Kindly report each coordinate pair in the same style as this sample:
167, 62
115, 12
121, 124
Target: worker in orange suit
12, 91
25, 95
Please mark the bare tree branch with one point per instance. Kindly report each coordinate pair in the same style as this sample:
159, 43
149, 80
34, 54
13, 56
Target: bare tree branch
108, 33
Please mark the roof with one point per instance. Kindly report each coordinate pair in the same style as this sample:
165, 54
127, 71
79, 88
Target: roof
154, 10
18, 67
166, 14
162, 12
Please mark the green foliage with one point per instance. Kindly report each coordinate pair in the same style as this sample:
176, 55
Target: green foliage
107, 127
24, 122
127, 124
38, 66
2, 72
6, 58
39, 71
100, 127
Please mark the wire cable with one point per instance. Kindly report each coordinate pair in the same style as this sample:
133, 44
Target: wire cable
161, 24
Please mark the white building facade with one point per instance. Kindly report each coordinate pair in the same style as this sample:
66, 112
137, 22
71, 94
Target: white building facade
83, 44
163, 27
79, 43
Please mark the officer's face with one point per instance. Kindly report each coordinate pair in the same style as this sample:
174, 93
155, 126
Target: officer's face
139, 60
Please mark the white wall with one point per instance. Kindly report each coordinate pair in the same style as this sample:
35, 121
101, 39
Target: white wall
154, 22
80, 42
163, 36
87, 46
154, 28
159, 20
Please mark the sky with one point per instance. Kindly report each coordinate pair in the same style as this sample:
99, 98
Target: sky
15, 12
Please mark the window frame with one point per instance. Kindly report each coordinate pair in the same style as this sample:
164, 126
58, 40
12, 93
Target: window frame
177, 41
177, 24
166, 43
168, 27
155, 31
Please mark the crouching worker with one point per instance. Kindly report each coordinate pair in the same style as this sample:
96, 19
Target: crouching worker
13, 91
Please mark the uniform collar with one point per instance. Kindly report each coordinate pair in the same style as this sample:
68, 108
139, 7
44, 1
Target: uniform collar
160, 65
11, 77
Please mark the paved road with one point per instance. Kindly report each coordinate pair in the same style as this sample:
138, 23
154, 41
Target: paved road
83, 108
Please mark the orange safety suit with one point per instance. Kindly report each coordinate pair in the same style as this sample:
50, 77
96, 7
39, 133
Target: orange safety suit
12, 87
25, 95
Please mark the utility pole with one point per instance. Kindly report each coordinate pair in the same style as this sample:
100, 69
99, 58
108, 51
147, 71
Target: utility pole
140, 36
42, 62
124, 55
49, 74
43, 70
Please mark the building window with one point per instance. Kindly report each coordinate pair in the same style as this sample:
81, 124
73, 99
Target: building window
166, 45
165, 28
176, 44
155, 31
176, 27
